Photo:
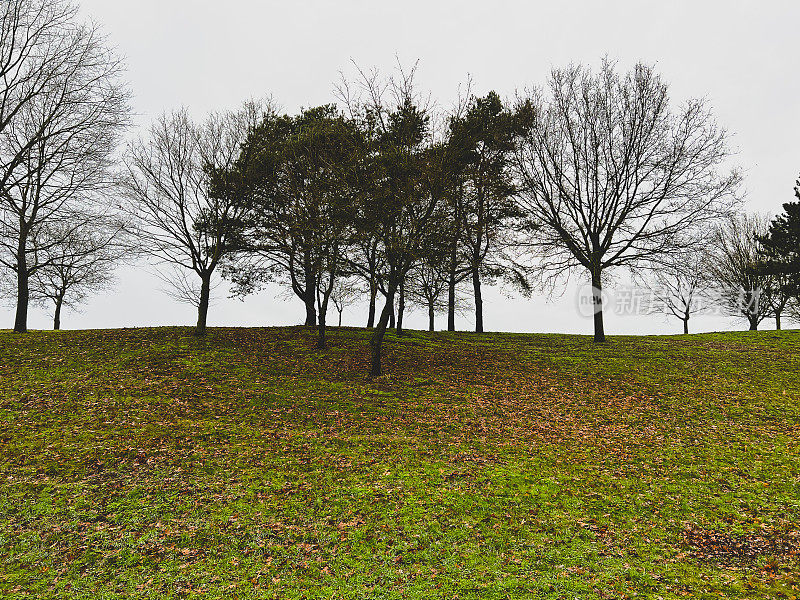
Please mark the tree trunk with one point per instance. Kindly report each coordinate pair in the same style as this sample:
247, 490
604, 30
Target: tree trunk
778, 321
321, 340
686, 326
753, 325
431, 317
597, 301
311, 310
57, 313
451, 293
476, 286
391, 313
373, 292
376, 341
310, 298
202, 307
23, 291
21, 317
401, 308
340, 318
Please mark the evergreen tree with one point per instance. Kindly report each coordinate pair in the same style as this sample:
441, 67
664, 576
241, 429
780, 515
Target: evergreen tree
482, 142
781, 246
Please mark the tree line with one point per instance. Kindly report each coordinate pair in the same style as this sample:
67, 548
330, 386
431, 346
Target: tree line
380, 194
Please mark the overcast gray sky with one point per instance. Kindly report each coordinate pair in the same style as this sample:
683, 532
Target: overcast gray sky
210, 55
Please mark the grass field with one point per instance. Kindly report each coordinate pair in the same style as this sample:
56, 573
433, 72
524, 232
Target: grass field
149, 463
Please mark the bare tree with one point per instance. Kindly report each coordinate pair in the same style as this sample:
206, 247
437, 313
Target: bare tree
345, 293
611, 177
680, 287
428, 285
60, 120
332, 264
366, 262
742, 287
38, 48
83, 264
176, 218
429, 280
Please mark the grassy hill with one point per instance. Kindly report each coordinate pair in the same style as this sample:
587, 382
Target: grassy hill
149, 463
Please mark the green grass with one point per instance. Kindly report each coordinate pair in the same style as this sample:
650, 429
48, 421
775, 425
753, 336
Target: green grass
148, 463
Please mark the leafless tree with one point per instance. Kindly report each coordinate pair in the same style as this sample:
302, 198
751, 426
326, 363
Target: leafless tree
332, 261
83, 263
742, 288
176, 219
365, 260
429, 290
346, 292
38, 47
183, 285
61, 113
612, 177
428, 282
680, 287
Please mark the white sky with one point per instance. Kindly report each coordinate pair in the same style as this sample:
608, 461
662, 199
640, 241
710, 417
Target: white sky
211, 55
